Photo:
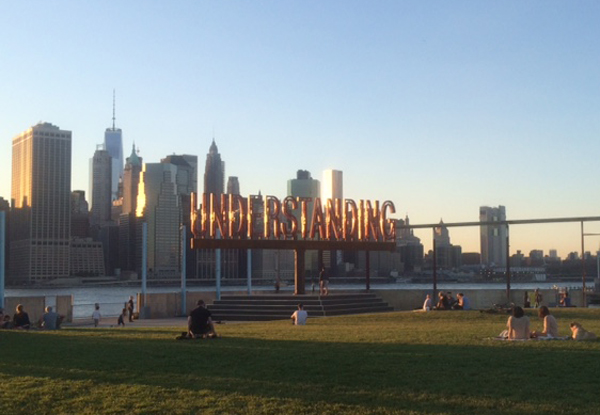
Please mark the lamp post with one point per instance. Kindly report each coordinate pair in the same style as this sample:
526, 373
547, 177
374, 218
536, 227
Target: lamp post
583, 262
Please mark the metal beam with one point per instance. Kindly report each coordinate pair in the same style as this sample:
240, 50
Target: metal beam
505, 222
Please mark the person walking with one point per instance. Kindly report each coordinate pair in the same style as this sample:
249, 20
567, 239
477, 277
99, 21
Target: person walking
130, 308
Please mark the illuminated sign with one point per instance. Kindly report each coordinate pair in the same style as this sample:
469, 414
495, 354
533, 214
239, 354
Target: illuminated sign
233, 217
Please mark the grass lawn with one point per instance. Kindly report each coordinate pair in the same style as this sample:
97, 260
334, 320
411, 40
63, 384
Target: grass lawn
400, 363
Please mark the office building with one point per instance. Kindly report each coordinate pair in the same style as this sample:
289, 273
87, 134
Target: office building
129, 252
447, 255
214, 171
332, 188
41, 190
304, 186
113, 144
164, 202
101, 187
493, 238
409, 246
233, 186
80, 216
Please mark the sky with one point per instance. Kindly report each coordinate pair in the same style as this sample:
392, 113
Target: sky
440, 107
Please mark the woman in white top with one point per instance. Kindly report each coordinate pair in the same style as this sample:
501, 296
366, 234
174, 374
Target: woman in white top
550, 324
518, 325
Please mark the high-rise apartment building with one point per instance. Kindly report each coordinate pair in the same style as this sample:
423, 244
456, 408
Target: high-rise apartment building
113, 144
493, 238
101, 187
41, 189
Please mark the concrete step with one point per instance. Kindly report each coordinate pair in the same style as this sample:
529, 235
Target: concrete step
279, 307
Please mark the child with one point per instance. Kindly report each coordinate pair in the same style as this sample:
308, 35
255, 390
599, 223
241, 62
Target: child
121, 321
96, 315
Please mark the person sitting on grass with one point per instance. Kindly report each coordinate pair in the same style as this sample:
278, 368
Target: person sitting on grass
50, 319
427, 303
21, 319
550, 324
518, 325
442, 303
462, 302
299, 317
200, 323
565, 301
4, 324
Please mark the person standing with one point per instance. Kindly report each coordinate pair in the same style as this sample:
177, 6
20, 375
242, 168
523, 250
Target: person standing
526, 303
538, 297
299, 317
130, 308
323, 282
96, 315
121, 319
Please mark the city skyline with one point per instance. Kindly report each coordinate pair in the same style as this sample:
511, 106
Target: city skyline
439, 108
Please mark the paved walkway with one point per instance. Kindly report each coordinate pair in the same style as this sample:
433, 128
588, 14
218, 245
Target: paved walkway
112, 322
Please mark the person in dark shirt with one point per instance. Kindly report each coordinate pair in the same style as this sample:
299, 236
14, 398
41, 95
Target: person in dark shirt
21, 318
130, 308
200, 324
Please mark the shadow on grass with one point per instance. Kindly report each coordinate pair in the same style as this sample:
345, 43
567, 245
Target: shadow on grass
489, 377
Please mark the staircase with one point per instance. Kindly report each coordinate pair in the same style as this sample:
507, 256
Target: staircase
281, 307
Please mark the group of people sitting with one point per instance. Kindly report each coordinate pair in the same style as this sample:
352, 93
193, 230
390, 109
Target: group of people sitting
447, 302
20, 320
518, 327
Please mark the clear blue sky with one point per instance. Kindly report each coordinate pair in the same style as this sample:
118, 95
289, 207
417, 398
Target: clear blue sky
439, 106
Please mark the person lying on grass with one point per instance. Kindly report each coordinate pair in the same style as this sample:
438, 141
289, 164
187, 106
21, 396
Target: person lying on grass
518, 325
550, 324
200, 323
579, 333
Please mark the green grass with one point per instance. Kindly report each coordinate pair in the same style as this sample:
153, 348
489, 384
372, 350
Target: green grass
402, 363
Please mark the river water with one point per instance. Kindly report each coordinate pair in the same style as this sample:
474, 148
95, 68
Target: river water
112, 299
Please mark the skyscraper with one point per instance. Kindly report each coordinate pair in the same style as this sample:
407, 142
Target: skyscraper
233, 185
165, 188
41, 189
333, 185
305, 186
101, 187
113, 144
161, 210
129, 249
332, 188
493, 238
214, 172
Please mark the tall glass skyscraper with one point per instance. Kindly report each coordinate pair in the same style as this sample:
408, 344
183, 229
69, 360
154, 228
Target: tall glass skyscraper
113, 144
